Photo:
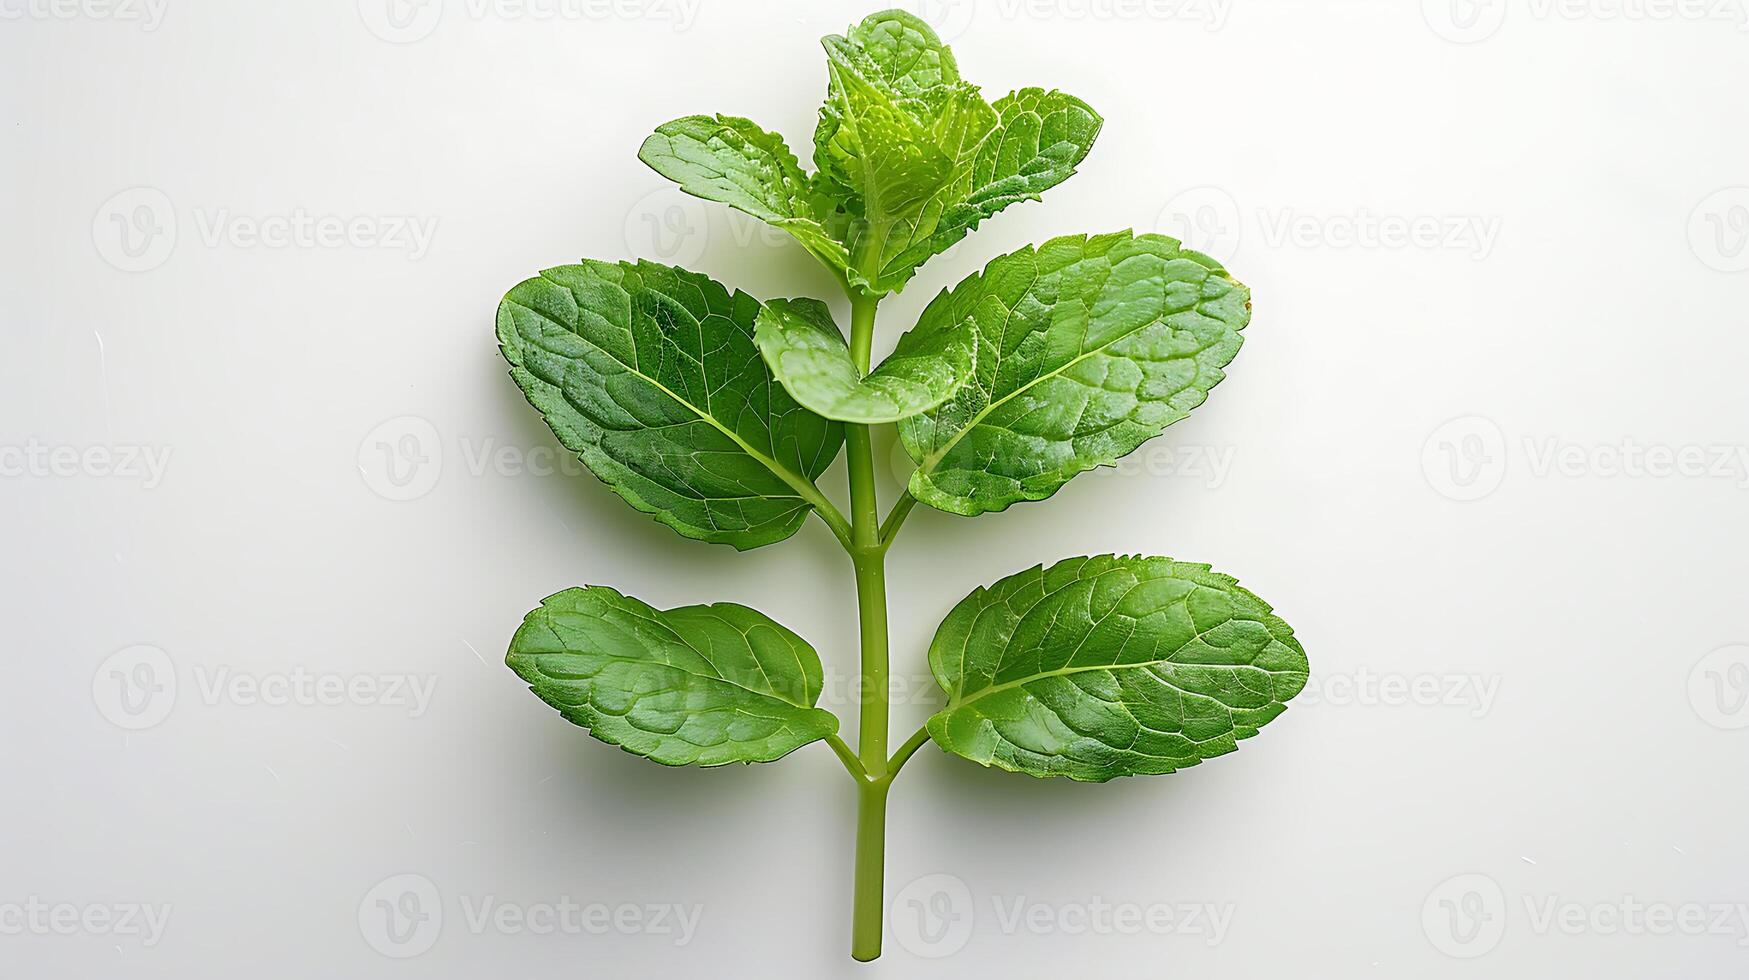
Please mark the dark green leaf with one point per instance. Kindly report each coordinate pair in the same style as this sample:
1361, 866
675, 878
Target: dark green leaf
1103, 667
698, 685
1087, 347
650, 374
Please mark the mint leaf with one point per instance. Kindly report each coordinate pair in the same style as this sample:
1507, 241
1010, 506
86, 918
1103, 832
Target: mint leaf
1087, 347
807, 353
918, 157
697, 685
910, 156
650, 374
1102, 667
732, 161
1036, 144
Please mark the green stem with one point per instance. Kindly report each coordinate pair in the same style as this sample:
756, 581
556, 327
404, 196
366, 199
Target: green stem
852, 764
871, 853
869, 558
896, 518
905, 752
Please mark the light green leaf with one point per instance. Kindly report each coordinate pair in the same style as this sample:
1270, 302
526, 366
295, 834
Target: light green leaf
1087, 347
807, 353
1037, 142
1110, 666
910, 156
698, 685
918, 157
732, 161
650, 374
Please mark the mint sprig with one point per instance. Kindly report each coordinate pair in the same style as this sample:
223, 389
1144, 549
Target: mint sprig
717, 414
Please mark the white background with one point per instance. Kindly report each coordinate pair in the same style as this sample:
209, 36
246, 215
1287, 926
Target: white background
1520, 623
